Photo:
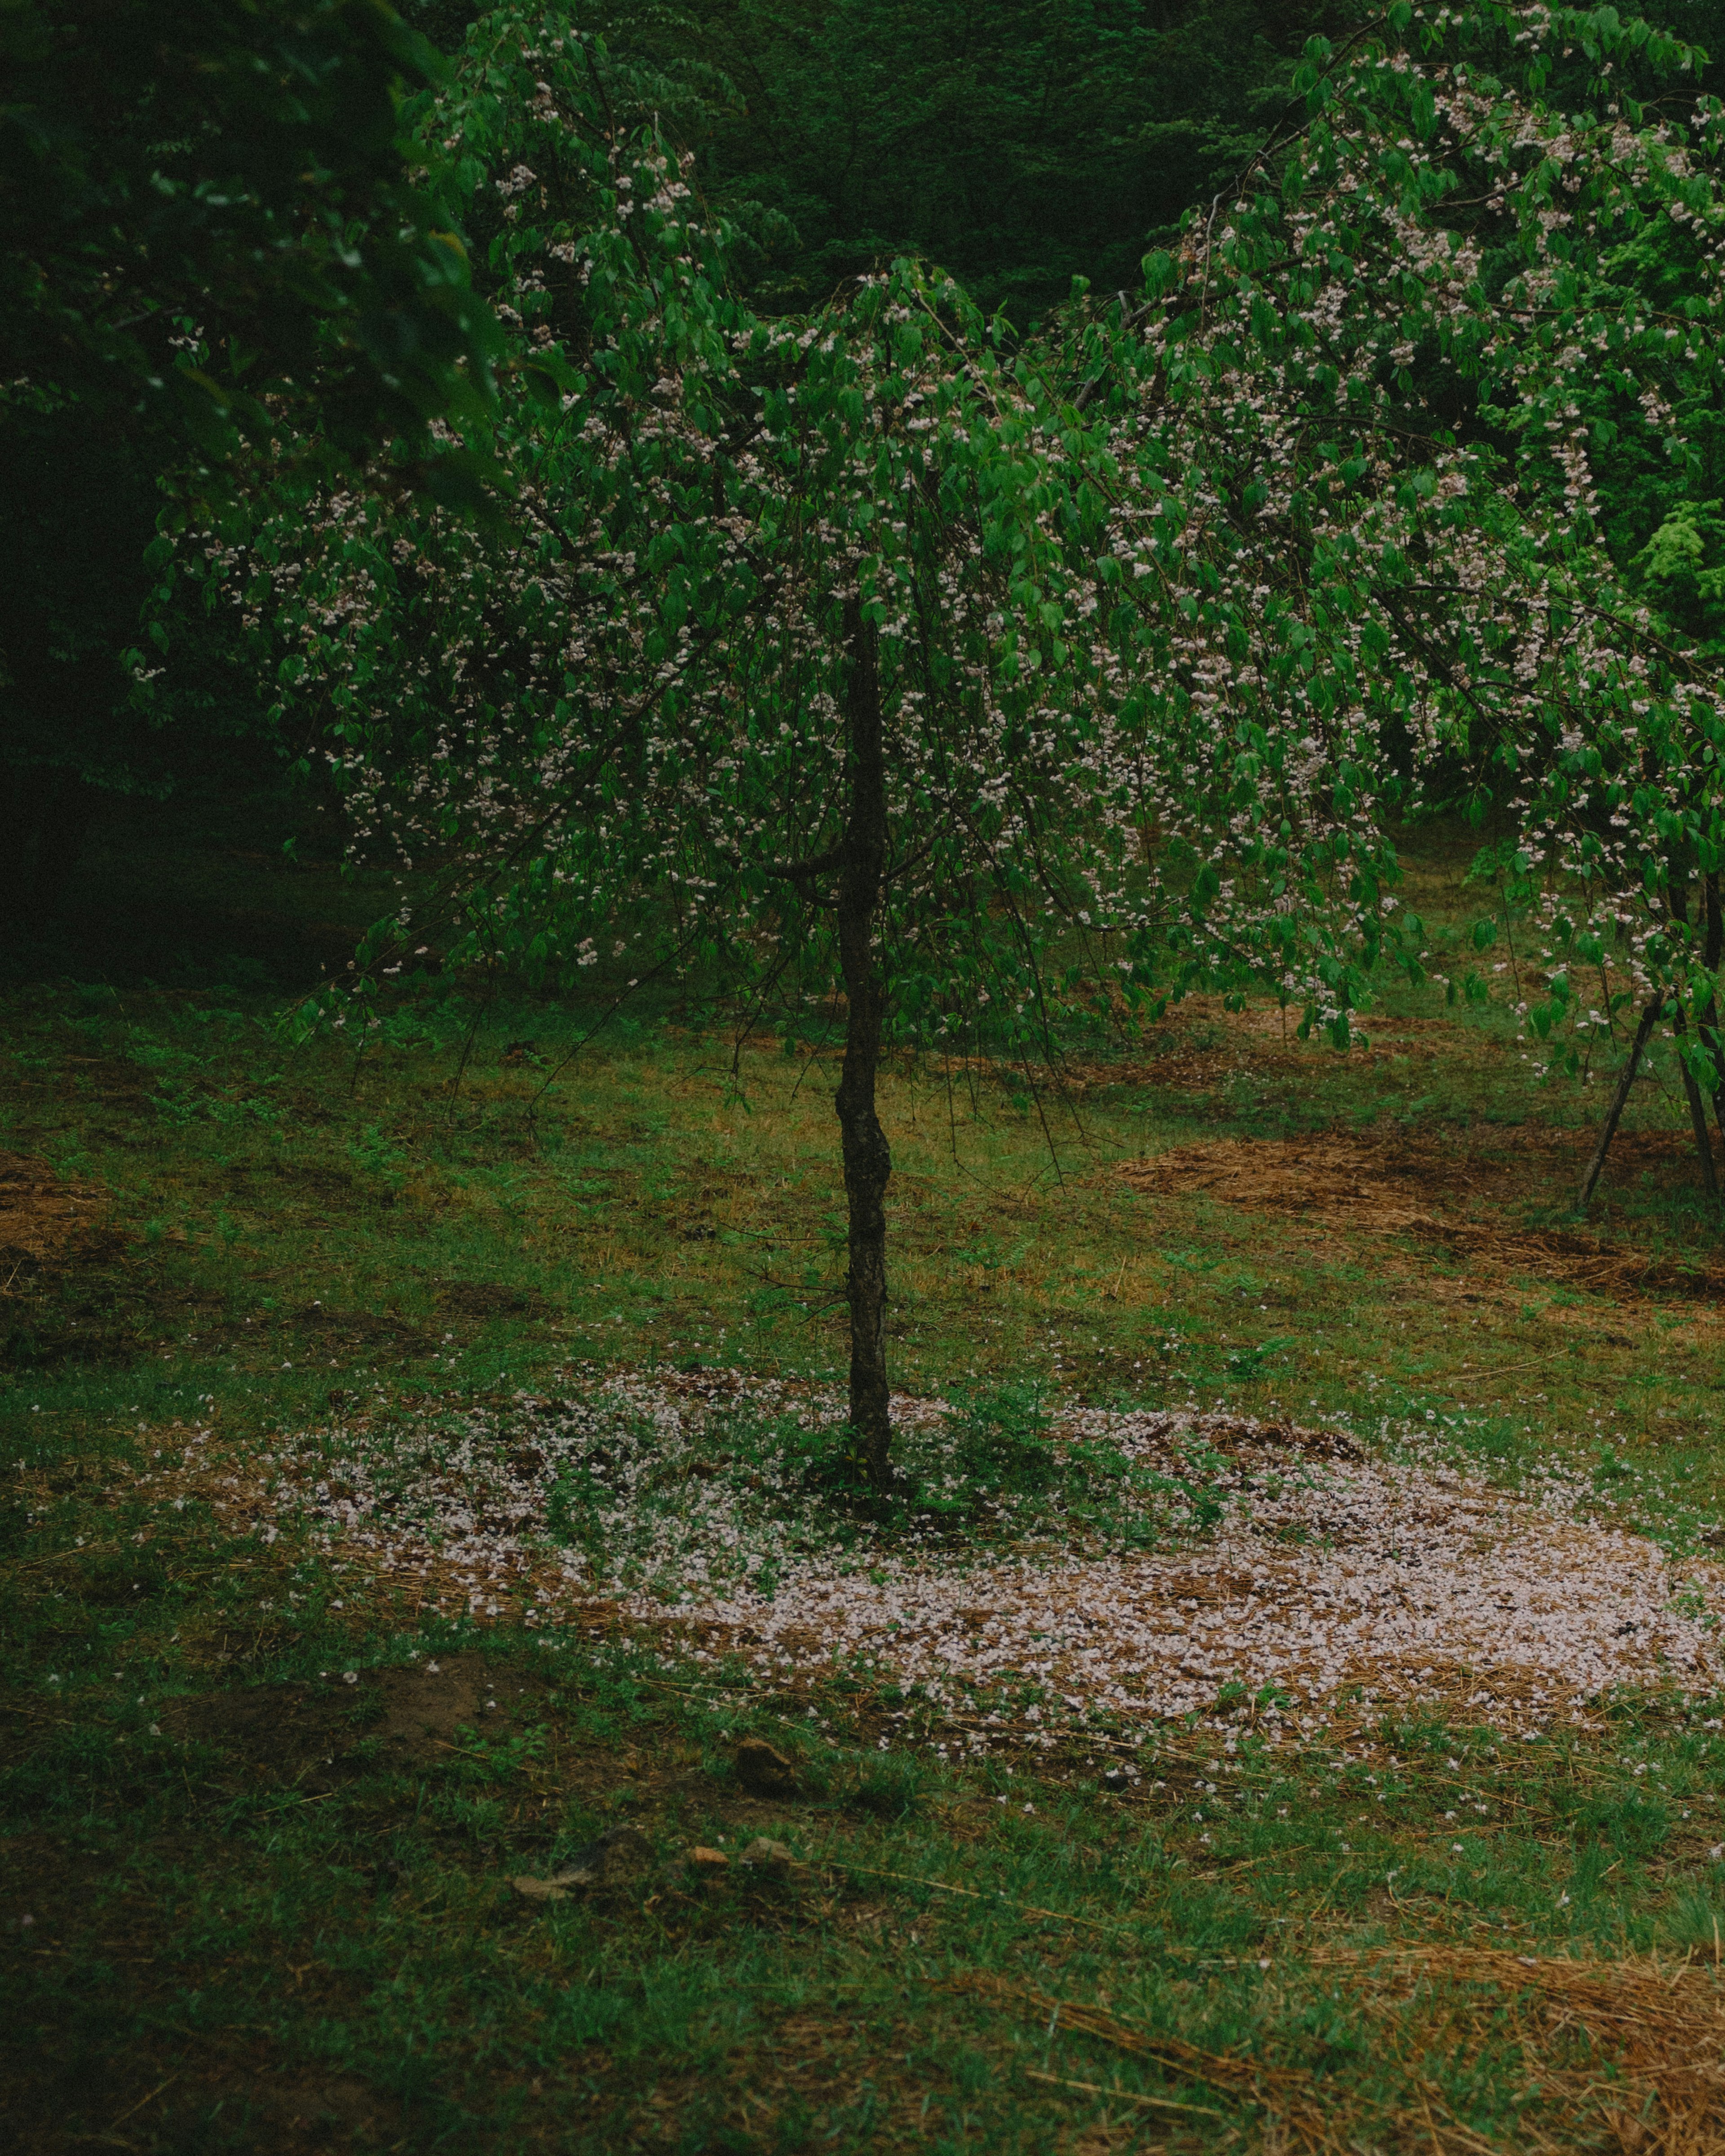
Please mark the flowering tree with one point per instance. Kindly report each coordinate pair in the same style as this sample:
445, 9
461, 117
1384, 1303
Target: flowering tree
857, 658
769, 670
1359, 430
1599, 363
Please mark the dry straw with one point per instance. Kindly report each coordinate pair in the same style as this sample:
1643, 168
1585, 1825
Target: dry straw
1397, 1183
1620, 2052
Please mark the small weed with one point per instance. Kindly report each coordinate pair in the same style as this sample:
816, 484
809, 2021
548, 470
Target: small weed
1002, 1443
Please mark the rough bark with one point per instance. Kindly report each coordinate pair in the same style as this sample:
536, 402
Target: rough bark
868, 1159
1649, 1019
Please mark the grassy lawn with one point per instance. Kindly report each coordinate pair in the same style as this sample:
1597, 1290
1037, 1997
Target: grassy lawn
266, 1802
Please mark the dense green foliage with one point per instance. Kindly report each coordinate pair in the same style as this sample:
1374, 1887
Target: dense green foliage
202, 208
1019, 146
1318, 480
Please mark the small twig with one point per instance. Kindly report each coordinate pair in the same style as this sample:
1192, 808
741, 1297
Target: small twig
1505, 1370
56, 1556
971, 1894
143, 2100
1126, 2096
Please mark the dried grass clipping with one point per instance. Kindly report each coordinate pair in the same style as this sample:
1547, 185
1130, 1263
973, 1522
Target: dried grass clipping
43, 1217
1395, 1183
1628, 2051
1631, 2046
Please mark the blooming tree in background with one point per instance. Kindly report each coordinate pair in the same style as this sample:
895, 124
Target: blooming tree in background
868, 661
1361, 430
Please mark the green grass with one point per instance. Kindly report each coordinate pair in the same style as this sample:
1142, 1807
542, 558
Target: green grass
266, 1912
313, 1930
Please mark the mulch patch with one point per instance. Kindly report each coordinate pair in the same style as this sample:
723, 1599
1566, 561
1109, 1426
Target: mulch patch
1441, 1191
47, 1221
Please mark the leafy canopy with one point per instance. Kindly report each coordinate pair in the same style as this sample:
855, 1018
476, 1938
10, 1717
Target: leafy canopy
1176, 607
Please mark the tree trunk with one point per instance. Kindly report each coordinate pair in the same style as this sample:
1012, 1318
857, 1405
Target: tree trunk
868, 1159
1648, 1018
1676, 900
1713, 949
1699, 1118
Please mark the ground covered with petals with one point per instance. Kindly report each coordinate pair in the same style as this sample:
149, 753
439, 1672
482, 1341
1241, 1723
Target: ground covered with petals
1153, 1564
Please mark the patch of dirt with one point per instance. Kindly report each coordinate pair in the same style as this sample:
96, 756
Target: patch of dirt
362, 1328
54, 1236
164, 2098
326, 2108
490, 1299
336, 1181
45, 1220
420, 1715
1262, 1444
1437, 1191
424, 1706
110, 1078
1201, 1045
302, 1734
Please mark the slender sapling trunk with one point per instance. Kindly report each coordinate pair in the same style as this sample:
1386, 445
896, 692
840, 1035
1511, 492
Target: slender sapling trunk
1698, 1119
1712, 952
1676, 899
1649, 1019
868, 1159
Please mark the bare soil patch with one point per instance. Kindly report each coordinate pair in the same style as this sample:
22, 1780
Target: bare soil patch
302, 1734
484, 1299
361, 1328
1202, 1044
46, 1220
311, 1738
